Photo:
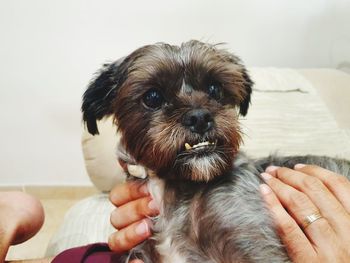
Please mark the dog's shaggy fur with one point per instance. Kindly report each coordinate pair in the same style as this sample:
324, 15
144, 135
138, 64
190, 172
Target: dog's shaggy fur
168, 100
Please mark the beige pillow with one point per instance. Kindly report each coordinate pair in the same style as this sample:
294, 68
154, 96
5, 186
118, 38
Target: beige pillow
100, 156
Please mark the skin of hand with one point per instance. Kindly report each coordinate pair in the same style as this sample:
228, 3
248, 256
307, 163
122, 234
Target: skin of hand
134, 206
303, 191
21, 217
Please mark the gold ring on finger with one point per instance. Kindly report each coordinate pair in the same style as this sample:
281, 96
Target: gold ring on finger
308, 220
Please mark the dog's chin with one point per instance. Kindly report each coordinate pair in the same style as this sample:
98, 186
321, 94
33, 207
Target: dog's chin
202, 166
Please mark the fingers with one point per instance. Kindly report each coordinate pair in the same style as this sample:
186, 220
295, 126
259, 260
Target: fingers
318, 193
128, 191
289, 231
134, 206
128, 237
299, 206
337, 184
133, 211
302, 192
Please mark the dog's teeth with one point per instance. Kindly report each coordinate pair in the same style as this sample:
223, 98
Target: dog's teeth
187, 146
207, 143
202, 144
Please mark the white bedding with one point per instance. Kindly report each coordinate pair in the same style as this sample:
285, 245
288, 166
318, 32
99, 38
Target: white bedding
290, 118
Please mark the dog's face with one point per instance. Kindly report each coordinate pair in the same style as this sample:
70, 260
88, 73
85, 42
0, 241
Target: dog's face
176, 107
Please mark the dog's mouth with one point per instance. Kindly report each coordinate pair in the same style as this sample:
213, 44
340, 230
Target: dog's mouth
200, 147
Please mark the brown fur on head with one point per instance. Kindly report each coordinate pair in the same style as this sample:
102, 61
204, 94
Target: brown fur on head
165, 96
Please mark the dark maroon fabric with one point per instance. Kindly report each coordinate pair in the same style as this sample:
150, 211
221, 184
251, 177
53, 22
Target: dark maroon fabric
93, 253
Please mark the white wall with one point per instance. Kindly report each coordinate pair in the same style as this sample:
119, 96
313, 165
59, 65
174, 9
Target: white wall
50, 49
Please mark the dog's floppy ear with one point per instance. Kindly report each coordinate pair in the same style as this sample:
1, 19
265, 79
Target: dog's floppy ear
98, 97
248, 84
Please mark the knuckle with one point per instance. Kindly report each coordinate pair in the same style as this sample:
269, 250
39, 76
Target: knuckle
121, 241
311, 168
134, 190
141, 206
129, 238
340, 212
129, 188
144, 208
287, 228
114, 242
333, 180
280, 172
312, 183
297, 200
324, 227
137, 190
274, 183
340, 179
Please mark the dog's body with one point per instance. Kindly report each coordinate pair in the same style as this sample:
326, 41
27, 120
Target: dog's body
224, 220
177, 110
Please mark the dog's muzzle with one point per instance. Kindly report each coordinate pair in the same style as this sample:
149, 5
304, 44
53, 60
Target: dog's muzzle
198, 121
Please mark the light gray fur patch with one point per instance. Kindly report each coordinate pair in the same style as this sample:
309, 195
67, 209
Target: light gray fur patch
206, 167
186, 89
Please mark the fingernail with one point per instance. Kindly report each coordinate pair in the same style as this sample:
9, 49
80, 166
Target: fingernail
299, 166
142, 228
144, 189
266, 176
271, 169
153, 205
265, 189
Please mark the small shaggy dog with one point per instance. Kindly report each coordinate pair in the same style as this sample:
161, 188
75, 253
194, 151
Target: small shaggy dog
177, 109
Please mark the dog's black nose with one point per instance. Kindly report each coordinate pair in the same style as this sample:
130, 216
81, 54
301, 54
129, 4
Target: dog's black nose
198, 120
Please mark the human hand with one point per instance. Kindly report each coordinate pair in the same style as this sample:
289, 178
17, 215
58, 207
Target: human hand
304, 191
21, 214
21, 217
130, 218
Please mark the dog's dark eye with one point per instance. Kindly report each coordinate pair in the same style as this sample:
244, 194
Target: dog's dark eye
214, 91
153, 99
